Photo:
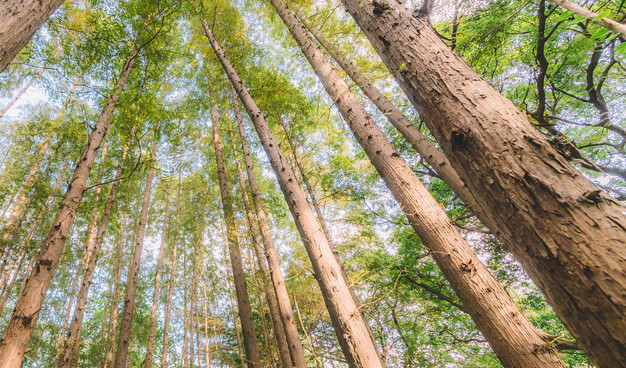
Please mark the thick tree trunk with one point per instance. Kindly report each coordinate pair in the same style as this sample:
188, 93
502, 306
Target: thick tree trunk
351, 328
410, 132
133, 271
71, 348
551, 217
605, 22
17, 334
511, 335
270, 296
250, 343
170, 292
157, 281
20, 20
115, 299
276, 275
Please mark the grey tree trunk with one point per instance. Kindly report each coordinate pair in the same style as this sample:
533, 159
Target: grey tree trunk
548, 214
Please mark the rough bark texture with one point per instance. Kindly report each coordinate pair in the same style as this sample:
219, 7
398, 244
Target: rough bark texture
69, 358
569, 235
410, 132
276, 275
607, 23
157, 281
115, 299
270, 296
511, 335
17, 334
133, 271
351, 328
253, 355
20, 20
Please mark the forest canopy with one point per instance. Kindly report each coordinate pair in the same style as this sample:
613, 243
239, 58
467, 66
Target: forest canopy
294, 183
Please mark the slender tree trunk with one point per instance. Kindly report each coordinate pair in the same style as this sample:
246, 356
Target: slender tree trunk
115, 299
133, 271
253, 355
550, 216
20, 20
185, 316
410, 132
18, 332
26, 87
276, 275
157, 281
207, 348
270, 296
605, 22
72, 343
193, 311
170, 293
308, 338
511, 335
198, 325
12, 225
351, 328
236, 325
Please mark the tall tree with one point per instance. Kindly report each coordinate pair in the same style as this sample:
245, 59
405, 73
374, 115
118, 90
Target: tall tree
510, 334
253, 355
550, 215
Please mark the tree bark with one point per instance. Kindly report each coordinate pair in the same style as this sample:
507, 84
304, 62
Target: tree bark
511, 335
607, 23
157, 281
351, 328
207, 348
72, 343
550, 216
253, 355
276, 275
20, 20
115, 299
133, 271
18, 332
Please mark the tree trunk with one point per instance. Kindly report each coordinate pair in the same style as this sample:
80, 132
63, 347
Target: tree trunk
276, 275
511, 335
605, 22
250, 343
170, 292
308, 338
550, 216
207, 348
115, 299
133, 271
410, 132
185, 316
17, 334
20, 20
237, 334
351, 328
69, 358
157, 281
23, 90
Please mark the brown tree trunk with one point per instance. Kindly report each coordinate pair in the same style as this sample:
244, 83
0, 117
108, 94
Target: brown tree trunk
157, 281
605, 22
236, 325
276, 275
17, 334
410, 132
253, 355
511, 335
115, 299
550, 216
170, 292
133, 271
20, 20
207, 348
72, 343
351, 328
185, 316
270, 296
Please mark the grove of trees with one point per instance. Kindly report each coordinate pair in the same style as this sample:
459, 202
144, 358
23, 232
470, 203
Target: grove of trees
293, 183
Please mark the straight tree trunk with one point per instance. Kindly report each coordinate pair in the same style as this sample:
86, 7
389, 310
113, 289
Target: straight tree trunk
276, 275
18, 332
115, 299
71, 348
194, 296
253, 355
605, 22
351, 328
548, 214
270, 296
511, 335
410, 132
133, 271
237, 333
185, 316
207, 348
170, 292
20, 20
157, 281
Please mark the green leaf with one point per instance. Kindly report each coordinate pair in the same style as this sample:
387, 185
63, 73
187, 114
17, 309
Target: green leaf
621, 49
402, 66
599, 33
565, 15
362, 3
